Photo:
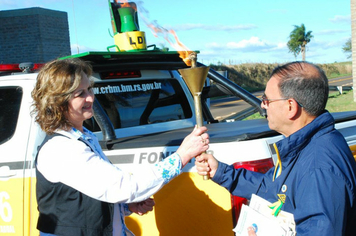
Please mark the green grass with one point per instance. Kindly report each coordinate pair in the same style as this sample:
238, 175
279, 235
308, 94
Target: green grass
254, 76
336, 103
334, 75
341, 102
254, 117
343, 63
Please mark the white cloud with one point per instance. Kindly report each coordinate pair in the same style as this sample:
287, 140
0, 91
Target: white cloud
246, 43
253, 44
341, 19
323, 44
332, 31
279, 47
214, 27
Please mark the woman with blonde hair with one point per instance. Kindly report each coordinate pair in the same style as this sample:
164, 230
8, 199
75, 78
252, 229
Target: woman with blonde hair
79, 192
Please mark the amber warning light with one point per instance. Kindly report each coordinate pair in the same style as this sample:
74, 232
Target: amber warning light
127, 34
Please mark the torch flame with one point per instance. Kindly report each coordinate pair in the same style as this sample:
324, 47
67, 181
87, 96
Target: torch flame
125, 3
188, 56
184, 52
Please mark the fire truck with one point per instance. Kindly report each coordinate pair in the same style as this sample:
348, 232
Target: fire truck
143, 110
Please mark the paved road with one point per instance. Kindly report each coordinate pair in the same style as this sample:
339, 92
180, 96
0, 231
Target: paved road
342, 81
224, 107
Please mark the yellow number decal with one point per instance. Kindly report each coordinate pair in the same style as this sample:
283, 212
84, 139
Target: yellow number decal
5, 208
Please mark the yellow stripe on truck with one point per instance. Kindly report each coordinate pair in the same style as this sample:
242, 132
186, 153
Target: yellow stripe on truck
30, 207
11, 194
188, 205
353, 150
183, 207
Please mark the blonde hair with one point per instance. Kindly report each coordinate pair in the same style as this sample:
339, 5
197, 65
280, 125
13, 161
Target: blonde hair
56, 82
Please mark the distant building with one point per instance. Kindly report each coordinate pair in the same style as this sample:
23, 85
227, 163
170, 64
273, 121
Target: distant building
33, 35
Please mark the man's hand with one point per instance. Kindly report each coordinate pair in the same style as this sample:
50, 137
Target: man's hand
143, 207
206, 164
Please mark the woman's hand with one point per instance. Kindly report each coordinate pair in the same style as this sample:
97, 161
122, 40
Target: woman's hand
193, 144
143, 207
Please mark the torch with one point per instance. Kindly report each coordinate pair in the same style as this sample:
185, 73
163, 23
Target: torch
195, 77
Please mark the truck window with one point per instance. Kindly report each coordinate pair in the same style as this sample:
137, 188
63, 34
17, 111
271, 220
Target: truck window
141, 102
10, 101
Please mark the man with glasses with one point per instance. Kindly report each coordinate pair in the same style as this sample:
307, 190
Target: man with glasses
315, 175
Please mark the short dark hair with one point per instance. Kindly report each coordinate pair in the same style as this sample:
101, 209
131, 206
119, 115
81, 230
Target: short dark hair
306, 83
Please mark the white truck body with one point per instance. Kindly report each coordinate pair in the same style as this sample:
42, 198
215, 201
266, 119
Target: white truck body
186, 206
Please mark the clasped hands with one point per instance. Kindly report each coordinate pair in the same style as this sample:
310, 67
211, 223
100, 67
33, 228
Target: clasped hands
193, 145
143, 207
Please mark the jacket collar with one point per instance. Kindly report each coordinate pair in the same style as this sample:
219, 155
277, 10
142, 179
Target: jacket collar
290, 146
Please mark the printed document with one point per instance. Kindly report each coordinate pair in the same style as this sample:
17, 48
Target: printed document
259, 215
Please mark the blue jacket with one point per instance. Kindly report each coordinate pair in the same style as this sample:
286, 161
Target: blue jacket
318, 178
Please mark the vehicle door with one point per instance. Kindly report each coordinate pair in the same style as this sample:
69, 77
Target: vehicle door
15, 125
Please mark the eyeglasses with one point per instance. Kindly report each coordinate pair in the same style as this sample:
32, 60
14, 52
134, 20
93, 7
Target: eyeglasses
267, 101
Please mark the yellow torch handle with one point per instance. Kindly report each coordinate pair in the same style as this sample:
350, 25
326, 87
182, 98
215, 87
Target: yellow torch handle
199, 117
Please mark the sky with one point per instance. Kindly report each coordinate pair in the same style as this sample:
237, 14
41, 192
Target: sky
228, 32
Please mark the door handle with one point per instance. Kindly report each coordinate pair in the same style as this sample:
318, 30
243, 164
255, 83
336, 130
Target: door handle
5, 172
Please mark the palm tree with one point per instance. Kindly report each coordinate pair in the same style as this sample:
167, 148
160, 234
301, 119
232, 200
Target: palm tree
298, 39
353, 43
